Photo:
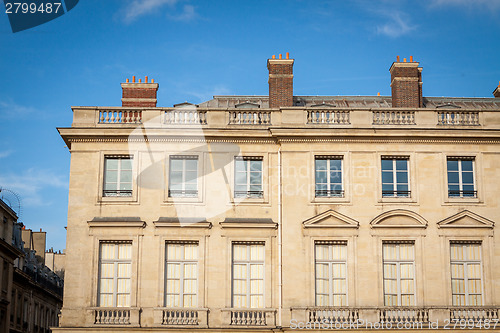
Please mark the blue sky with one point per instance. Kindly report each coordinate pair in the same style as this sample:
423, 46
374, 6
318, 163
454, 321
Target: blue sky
197, 49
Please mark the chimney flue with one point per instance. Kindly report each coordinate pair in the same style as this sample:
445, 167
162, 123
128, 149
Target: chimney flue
139, 94
280, 81
406, 84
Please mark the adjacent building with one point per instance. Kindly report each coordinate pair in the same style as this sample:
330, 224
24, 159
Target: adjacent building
31, 294
279, 212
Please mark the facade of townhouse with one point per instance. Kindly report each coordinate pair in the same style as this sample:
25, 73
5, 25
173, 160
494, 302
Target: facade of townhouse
282, 212
31, 294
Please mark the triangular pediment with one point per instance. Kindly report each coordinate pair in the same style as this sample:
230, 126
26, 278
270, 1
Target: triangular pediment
330, 219
247, 105
466, 219
399, 218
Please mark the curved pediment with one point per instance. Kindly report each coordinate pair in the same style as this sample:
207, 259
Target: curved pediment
466, 219
330, 219
399, 218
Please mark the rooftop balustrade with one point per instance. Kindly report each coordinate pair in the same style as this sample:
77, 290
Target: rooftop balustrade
219, 118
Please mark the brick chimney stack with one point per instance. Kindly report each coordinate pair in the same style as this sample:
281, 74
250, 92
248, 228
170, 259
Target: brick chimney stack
496, 92
280, 81
406, 84
140, 94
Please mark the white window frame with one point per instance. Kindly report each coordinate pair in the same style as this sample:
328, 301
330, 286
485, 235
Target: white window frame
460, 159
181, 263
398, 279
117, 191
183, 193
248, 264
330, 261
247, 160
466, 279
394, 170
115, 261
328, 159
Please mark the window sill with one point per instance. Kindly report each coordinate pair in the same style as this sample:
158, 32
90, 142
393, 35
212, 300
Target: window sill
320, 200
117, 200
468, 201
397, 200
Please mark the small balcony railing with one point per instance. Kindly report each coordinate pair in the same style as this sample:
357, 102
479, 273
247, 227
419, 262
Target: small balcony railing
248, 194
117, 193
404, 315
462, 194
180, 317
250, 118
393, 117
458, 118
185, 117
475, 314
120, 117
112, 316
396, 194
329, 193
332, 117
332, 315
183, 193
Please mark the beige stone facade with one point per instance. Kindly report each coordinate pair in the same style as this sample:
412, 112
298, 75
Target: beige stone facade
336, 212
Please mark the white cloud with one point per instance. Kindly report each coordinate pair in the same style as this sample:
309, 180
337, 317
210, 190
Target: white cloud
138, 8
30, 184
485, 4
398, 25
5, 153
187, 14
10, 109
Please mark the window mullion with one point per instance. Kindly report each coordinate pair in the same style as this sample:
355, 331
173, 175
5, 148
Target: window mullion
394, 178
460, 181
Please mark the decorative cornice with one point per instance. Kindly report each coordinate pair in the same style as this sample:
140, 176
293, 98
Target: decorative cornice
286, 140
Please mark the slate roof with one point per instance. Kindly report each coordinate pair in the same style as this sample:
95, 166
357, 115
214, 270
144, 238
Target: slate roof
354, 102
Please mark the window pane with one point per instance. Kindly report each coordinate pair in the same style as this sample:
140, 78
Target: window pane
453, 178
452, 165
467, 165
387, 177
387, 164
191, 165
111, 164
321, 165
321, 177
402, 177
335, 165
176, 165
467, 178
240, 166
401, 164
111, 176
255, 165
126, 164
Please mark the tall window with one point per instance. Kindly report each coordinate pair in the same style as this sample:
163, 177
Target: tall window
181, 280
248, 275
328, 176
248, 177
117, 176
115, 268
466, 274
461, 177
395, 177
331, 273
399, 274
183, 179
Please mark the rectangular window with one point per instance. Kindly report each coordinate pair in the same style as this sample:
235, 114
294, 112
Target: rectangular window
248, 177
115, 271
118, 176
331, 273
183, 178
395, 181
461, 177
466, 274
181, 281
248, 275
328, 176
399, 273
